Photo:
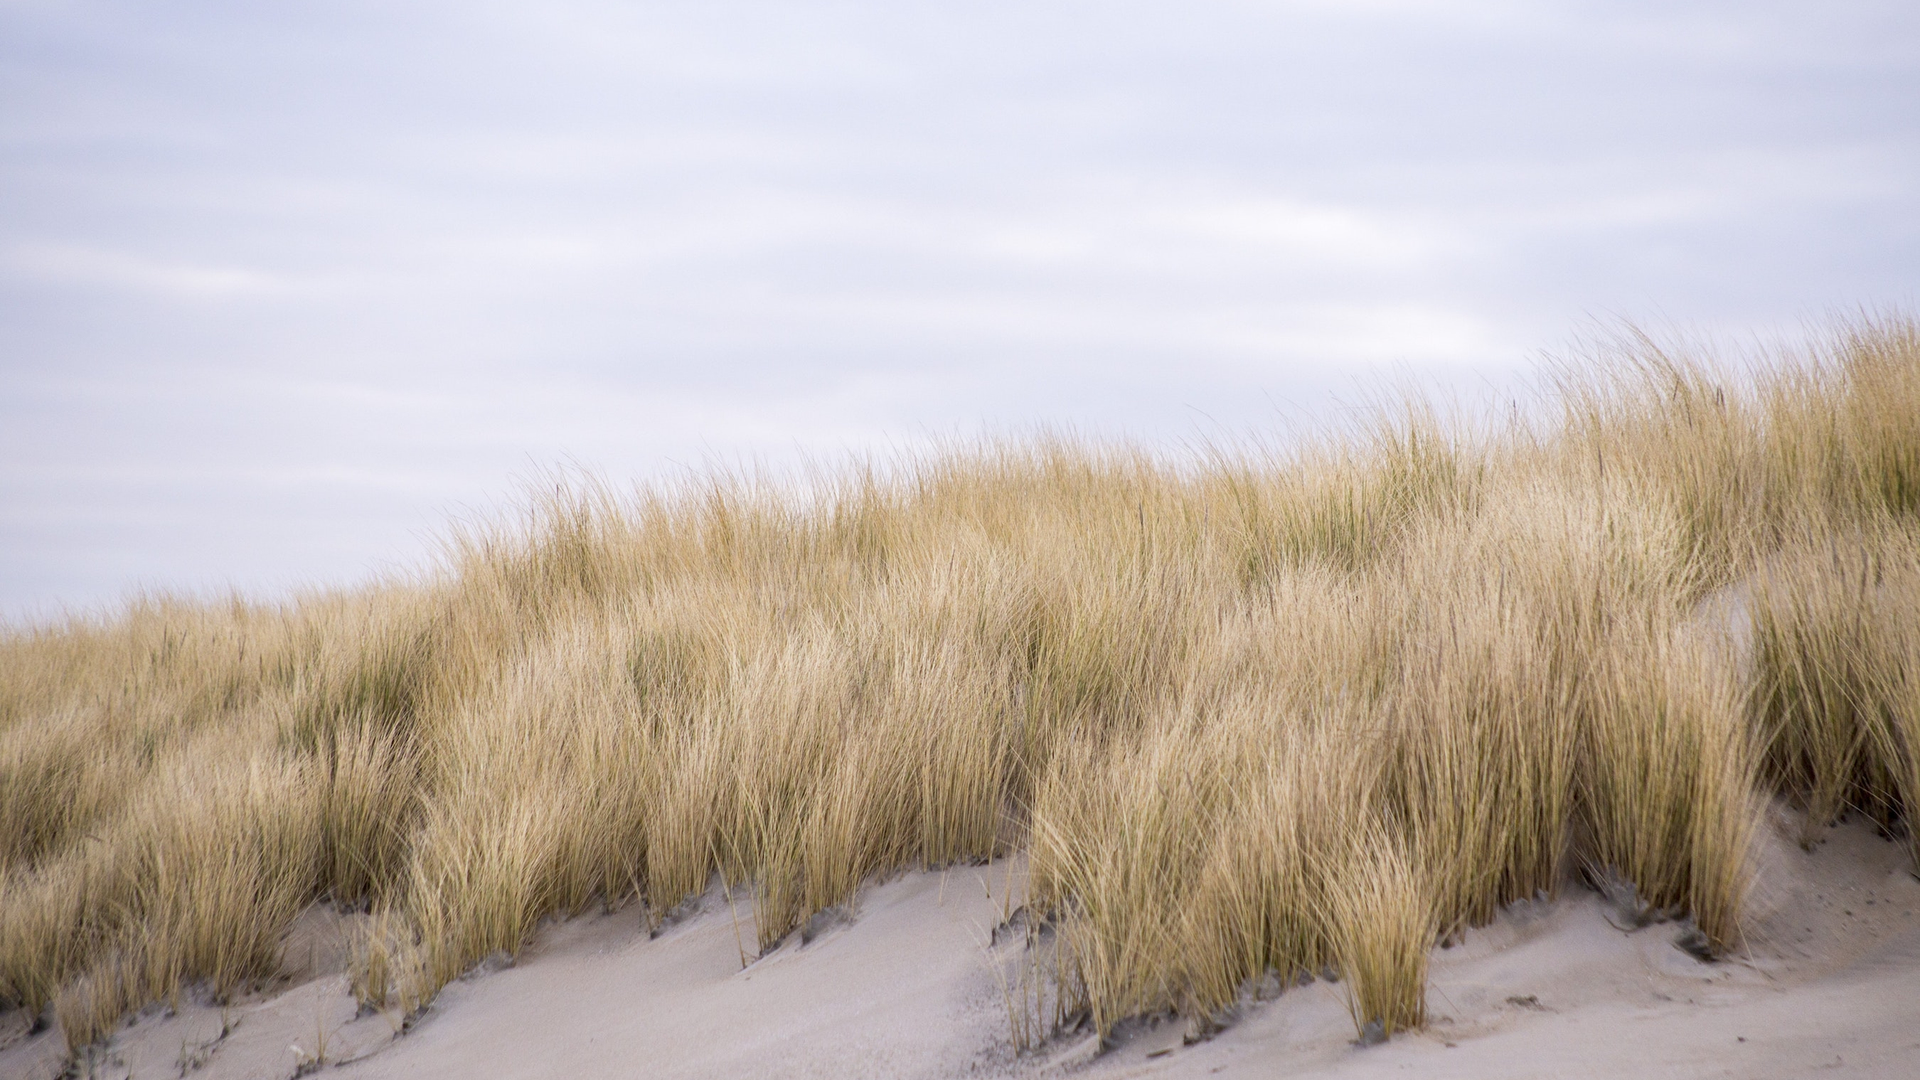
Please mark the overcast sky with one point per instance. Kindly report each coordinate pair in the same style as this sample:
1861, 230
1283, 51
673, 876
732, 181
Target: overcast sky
284, 286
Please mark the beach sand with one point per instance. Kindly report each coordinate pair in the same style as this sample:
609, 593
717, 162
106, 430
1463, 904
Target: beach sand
910, 984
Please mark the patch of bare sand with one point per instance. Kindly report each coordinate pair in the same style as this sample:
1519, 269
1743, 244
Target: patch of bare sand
909, 985
304, 1018
1827, 985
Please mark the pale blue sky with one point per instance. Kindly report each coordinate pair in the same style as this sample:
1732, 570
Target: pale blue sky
283, 286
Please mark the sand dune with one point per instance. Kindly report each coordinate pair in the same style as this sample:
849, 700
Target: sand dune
910, 985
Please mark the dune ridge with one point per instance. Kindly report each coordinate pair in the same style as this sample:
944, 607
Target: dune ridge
1268, 714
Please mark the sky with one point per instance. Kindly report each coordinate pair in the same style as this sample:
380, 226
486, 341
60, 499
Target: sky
287, 287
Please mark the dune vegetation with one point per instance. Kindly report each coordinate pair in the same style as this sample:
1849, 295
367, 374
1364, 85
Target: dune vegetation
1248, 712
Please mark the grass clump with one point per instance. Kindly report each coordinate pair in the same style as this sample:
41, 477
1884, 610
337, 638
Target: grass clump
1257, 713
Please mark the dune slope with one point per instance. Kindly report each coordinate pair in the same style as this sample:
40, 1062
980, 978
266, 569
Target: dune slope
910, 984
1243, 716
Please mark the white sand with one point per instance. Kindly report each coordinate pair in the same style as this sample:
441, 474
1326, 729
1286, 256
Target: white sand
1828, 986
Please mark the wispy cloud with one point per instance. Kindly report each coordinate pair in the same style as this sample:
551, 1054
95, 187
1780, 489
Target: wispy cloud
96, 269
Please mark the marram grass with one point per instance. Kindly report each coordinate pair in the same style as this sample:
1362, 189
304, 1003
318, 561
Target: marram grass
1267, 713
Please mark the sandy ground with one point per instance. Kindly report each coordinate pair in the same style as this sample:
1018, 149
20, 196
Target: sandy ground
910, 985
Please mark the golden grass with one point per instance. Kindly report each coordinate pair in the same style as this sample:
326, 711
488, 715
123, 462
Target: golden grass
1262, 712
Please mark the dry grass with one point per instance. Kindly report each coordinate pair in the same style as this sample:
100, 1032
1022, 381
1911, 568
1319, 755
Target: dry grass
1261, 712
